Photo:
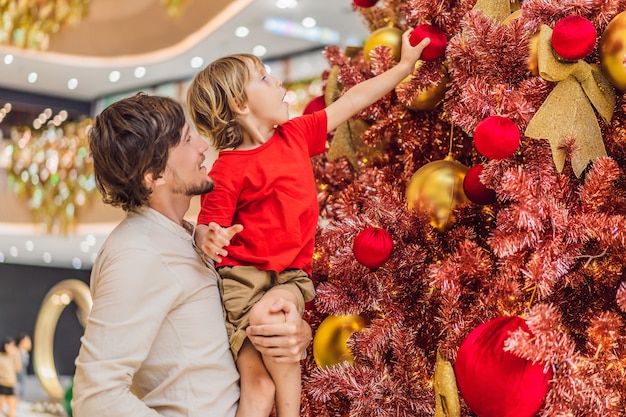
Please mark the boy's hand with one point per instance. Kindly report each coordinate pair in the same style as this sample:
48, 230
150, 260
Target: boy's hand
213, 238
410, 54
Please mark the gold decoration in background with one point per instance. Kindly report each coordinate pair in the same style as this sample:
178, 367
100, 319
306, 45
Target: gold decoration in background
330, 341
53, 172
568, 111
437, 189
446, 392
55, 301
28, 24
174, 8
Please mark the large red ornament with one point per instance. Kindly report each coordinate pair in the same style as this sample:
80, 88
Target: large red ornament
495, 383
573, 38
476, 190
365, 3
496, 137
438, 41
372, 247
314, 105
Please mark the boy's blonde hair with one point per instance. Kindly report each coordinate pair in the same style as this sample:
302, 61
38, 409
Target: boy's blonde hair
214, 95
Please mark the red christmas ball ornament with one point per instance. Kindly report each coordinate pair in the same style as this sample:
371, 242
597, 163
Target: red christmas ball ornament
318, 103
496, 137
573, 38
438, 41
495, 383
476, 190
365, 3
372, 247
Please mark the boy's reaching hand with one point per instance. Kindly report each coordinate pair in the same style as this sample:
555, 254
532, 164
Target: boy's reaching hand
410, 54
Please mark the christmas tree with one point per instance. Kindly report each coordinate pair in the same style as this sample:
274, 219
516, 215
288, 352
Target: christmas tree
472, 236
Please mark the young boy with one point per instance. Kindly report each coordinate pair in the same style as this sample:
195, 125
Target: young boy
264, 181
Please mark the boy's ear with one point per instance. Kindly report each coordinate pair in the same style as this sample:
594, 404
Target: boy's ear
242, 110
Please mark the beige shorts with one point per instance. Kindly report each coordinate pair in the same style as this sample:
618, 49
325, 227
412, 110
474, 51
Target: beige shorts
242, 286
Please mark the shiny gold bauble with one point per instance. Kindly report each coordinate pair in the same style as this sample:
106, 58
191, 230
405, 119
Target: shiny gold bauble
388, 36
533, 59
517, 13
427, 98
613, 51
436, 189
330, 341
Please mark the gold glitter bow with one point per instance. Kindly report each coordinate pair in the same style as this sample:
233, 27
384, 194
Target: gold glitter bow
498, 10
446, 393
568, 111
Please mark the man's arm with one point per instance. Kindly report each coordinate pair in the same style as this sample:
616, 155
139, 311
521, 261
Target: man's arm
285, 342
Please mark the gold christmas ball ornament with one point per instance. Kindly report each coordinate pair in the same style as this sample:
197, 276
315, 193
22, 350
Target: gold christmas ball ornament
437, 189
533, 59
330, 341
389, 36
516, 14
427, 98
613, 51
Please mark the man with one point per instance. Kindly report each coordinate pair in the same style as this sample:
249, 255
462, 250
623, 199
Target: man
155, 342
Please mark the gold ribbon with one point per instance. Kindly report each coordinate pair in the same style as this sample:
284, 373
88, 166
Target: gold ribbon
447, 402
498, 10
568, 111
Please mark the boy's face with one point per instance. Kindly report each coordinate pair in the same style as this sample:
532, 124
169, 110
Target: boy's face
266, 97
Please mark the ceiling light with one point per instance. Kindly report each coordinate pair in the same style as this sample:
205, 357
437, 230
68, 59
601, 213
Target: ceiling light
196, 62
72, 83
289, 28
114, 76
242, 32
32, 77
8, 59
140, 72
259, 50
286, 4
47, 257
309, 22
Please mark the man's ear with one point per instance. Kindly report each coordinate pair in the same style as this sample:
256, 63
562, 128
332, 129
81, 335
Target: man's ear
150, 180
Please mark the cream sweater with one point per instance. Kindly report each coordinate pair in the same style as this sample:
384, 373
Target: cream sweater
155, 342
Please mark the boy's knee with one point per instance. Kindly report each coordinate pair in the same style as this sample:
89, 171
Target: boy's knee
261, 314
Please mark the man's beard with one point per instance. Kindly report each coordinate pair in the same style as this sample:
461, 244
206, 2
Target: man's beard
198, 189
191, 190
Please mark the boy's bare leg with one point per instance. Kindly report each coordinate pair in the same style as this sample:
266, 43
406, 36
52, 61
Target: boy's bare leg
257, 388
286, 376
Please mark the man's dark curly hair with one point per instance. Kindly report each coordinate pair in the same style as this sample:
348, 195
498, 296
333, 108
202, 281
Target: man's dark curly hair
129, 139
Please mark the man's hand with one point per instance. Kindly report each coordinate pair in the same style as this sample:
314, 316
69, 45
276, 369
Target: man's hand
285, 342
213, 238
